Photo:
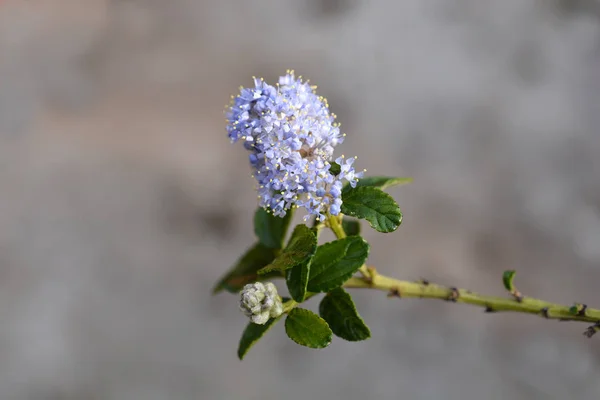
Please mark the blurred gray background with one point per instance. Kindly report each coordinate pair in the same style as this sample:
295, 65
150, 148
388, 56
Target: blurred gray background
122, 201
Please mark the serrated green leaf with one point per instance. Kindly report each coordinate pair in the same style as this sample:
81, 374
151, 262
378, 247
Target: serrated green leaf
374, 205
245, 270
300, 249
296, 279
252, 333
335, 262
382, 182
507, 279
339, 311
351, 226
270, 229
307, 329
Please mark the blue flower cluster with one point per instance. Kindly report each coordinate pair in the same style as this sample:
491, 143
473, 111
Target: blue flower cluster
291, 136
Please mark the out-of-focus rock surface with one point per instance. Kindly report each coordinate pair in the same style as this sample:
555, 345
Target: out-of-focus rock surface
122, 200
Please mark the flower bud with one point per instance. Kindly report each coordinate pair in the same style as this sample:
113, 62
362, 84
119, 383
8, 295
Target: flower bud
260, 302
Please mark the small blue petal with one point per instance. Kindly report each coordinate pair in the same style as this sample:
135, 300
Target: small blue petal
291, 136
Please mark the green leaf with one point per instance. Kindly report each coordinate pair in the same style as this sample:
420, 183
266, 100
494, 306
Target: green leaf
335, 262
374, 205
338, 309
335, 168
351, 226
245, 270
251, 334
307, 329
300, 249
383, 182
507, 279
297, 279
271, 229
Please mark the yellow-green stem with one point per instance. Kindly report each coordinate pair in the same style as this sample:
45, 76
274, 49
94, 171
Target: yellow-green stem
423, 289
370, 279
289, 305
336, 226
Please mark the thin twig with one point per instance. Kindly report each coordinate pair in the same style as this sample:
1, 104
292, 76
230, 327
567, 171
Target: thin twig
427, 290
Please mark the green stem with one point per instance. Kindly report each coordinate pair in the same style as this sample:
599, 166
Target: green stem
289, 305
336, 226
423, 289
370, 279
491, 304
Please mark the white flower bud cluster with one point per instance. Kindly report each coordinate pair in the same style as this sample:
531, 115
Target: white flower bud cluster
260, 302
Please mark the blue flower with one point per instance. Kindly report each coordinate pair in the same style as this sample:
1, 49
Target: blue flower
347, 171
291, 135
